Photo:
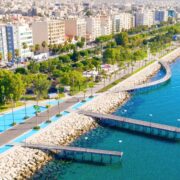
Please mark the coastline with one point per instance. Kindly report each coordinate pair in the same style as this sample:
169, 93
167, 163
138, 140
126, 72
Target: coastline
22, 163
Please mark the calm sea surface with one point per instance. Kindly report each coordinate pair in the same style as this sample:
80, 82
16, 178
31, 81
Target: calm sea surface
145, 158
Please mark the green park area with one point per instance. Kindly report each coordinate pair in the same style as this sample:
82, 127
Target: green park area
66, 69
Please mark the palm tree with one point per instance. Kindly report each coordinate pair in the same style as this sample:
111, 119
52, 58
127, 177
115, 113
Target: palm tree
104, 76
37, 110
12, 108
84, 91
17, 56
60, 46
50, 46
37, 48
59, 114
44, 45
91, 85
1, 57
110, 77
9, 56
25, 108
25, 46
32, 48
3, 94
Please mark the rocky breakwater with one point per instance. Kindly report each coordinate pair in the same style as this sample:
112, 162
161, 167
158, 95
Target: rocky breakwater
22, 163
170, 57
106, 102
64, 131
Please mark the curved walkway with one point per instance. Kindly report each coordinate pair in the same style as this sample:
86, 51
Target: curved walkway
167, 77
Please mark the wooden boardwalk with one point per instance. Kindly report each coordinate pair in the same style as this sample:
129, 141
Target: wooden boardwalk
128, 121
167, 77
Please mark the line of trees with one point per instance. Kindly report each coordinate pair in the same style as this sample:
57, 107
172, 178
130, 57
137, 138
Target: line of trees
66, 70
14, 85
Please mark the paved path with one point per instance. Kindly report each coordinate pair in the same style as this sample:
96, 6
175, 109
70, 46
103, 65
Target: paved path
19, 129
120, 74
167, 77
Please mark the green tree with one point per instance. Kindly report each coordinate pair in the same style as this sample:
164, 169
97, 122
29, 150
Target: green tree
91, 85
21, 70
44, 45
80, 44
12, 84
41, 85
75, 56
1, 56
25, 46
109, 56
37, 48
12, 109
17, 54
32, 48
122, 39
33, 67
9, 56
103, 39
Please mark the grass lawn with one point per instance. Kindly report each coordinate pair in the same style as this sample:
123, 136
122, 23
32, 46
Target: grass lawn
9, 105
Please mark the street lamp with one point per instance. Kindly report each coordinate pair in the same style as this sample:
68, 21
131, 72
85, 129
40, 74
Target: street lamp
58, 99
25, 108
59, 114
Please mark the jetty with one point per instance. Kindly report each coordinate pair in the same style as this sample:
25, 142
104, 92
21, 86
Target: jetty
70, 152
151, 128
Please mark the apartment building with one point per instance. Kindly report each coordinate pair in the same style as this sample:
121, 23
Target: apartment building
50, 31
23, 36
75, 27
93, 28
161, 16
3, 45
145, 18
10, 40
122, 21
106, 25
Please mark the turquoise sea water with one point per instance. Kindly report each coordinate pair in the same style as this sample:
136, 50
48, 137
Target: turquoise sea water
145, 158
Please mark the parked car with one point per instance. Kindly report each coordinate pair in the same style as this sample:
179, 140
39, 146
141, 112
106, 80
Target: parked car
10, 64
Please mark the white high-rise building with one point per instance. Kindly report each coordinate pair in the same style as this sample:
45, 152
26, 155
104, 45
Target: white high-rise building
93, 28
122, 21
145, 18
3, 44
23, 36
